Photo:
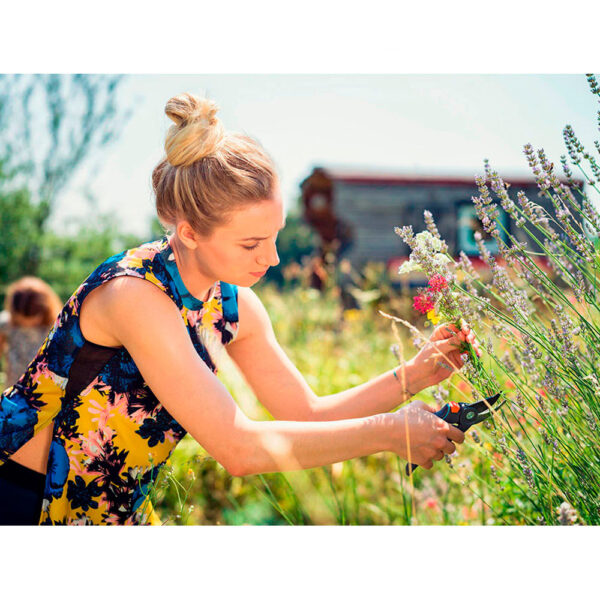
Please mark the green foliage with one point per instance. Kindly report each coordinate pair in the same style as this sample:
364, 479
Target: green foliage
63, 261
20, 243
67, 261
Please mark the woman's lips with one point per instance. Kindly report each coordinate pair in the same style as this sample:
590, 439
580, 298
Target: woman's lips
259, 274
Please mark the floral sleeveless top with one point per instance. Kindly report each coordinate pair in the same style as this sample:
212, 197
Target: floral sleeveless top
110, 433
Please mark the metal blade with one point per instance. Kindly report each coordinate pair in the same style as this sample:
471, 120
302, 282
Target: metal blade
483, 407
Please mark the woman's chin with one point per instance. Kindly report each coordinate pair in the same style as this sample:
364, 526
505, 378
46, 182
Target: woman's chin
244, 280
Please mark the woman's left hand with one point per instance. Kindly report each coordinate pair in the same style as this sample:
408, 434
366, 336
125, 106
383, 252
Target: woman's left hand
441, 355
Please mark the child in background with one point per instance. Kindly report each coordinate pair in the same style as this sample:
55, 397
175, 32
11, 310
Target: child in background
31, 306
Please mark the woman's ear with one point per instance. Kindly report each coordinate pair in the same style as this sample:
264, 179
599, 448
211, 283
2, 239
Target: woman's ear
187, 235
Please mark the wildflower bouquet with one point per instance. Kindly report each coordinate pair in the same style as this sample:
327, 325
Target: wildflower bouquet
441, 299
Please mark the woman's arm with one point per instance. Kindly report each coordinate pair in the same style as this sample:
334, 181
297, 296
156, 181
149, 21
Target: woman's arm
380, 394
284, 392
148, 324
438, 359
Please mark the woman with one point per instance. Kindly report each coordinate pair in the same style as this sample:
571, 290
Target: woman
129, 366
31, 306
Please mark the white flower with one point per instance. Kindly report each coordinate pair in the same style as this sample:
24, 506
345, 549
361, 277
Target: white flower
440, 260
426, 241
409, 266
428, 245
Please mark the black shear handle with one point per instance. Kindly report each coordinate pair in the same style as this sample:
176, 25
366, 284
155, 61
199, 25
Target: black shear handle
443, 413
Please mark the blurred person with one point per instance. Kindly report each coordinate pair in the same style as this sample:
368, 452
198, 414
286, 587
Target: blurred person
30, 308
130, 365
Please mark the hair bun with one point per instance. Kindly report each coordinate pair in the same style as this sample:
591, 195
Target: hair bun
197, 131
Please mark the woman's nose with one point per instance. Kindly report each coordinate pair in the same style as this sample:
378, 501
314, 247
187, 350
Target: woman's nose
270, 258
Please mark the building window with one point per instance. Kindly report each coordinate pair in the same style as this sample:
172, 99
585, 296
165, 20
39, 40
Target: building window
469, 223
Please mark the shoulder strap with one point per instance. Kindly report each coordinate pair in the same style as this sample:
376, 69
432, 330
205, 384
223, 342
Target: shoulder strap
229, 300
136, 262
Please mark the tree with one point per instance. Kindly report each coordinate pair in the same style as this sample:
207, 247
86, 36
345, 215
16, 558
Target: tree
68, 260
49, 126
21, 235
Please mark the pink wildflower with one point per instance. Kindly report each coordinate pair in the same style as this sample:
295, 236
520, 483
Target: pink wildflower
431, 503
423, 303
438, 283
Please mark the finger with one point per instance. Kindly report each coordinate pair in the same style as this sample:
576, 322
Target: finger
449, 447
455, 360
443, 331
455, 434
448, 364
439, 455
448, 345
428, 465
448, 352
420, 404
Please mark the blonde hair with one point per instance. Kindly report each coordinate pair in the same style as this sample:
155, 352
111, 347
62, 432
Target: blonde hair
207, 172
31, 296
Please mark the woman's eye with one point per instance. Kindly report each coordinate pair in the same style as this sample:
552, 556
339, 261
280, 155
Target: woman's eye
251, 247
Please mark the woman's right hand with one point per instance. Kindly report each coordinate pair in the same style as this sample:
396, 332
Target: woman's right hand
419, 436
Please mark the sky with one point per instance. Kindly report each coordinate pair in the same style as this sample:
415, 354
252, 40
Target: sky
412, 124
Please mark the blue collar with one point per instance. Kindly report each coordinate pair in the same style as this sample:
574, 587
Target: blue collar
189, 301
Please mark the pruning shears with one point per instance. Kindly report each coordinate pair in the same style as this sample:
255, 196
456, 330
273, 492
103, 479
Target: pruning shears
463, 415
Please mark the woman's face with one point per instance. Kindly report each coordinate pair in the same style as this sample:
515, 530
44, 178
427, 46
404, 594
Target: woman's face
241, 251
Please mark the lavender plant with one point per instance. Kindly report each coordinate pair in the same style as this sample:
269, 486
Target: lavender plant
540, 310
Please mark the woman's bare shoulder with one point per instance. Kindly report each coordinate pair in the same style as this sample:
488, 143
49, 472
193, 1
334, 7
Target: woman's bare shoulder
110, 307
